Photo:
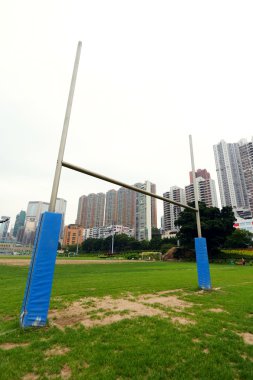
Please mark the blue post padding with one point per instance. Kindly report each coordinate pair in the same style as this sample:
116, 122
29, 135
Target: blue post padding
204, 278
40, 277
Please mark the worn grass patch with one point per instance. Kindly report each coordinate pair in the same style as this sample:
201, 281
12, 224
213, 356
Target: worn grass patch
131, 321
92, 311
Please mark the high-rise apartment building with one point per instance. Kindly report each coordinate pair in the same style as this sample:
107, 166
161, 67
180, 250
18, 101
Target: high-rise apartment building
95, 210
81, 218
60, 207
145, 211
20, 222
246, 154
119, 208
143, 227
20, 234
162, 223
206, 192
171, 211
110, 208
153, 207
203, 173
91, 210
230, 175
116, 207
33, 213
126, 206
4, 227
99, 210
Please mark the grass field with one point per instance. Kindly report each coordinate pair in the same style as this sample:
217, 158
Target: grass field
131, 321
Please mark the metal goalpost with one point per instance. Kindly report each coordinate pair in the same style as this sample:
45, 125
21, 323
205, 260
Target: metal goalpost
40, 277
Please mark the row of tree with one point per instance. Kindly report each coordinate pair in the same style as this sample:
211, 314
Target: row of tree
124, 243
217, 228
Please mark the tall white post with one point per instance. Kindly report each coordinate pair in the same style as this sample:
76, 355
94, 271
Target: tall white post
64, 131
195, 188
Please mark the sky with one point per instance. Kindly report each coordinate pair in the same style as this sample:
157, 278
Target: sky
150, 74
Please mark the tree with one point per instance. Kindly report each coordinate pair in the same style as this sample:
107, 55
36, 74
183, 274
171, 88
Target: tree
171, 240
156, 233
92, 245
239, 239
134, 245
216, 226
155, 243
156, 240
121, 242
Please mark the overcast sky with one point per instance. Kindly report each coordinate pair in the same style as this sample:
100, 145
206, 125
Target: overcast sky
150, 74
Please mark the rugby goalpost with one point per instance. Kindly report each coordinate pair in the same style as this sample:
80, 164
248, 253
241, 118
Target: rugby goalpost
40, 277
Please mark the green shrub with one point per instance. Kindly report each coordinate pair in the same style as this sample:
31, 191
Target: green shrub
132, 256
151, 256
236, 253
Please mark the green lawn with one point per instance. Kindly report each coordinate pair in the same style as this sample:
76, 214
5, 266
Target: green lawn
145, 347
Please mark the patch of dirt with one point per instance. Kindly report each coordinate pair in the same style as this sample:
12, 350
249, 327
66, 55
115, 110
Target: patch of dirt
207, 291
66, 372
206, 351
85, 365
56, 350
45, 339
200, 292
30, 376
182, 321
196, 340
10, 346
93, 311
26, 262
8, 318
247, 338
171, 291
18, 262
217, 310
169, 301
246, 357
83, 261
58, 298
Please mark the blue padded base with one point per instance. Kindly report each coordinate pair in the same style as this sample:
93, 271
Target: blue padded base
41, 272
204, 279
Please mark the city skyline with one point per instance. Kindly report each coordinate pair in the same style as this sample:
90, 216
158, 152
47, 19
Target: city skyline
160, 213
201, 175
140, 92
123, 207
